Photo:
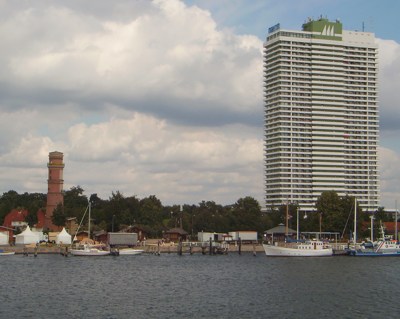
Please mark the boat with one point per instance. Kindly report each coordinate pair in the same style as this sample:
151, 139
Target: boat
88, 249
386, 246
130, 251
6, 253
310, 248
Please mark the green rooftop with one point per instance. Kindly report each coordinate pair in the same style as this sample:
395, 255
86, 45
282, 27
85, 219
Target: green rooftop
324, 29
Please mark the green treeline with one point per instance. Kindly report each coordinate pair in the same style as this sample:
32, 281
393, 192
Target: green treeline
332, 213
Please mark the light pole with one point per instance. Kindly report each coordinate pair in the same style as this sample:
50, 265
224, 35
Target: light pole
112, 223
372, 227
192, 225
320, 225
395, 234
298, 227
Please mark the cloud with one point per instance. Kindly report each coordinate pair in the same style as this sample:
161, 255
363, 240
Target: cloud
145, 97
185, 163
390, 176
175, 54
389, 96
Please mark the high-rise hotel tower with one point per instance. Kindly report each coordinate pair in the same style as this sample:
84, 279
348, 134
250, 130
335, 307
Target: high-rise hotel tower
321, 114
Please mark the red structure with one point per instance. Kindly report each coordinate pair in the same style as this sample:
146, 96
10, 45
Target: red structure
16, 219
55, 186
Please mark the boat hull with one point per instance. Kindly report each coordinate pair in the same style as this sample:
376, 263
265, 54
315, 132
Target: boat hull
277, 251
129, 251
89, 252
8, 253
360, 253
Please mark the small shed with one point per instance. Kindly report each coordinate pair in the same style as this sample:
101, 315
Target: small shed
63, 238
81, 235
175, 234
136, 229
100, 236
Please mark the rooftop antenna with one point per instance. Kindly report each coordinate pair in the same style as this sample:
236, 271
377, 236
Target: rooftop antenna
363, 27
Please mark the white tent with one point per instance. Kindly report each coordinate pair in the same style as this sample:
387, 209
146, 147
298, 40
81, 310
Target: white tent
3, 238
27, 237
63, 237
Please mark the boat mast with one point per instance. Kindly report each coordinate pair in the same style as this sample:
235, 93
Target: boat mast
297, 237
355, 221
90, 205
287, 219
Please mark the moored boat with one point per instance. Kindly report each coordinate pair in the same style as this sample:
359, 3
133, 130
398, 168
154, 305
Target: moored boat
310, 248
6, 253
87, 250
130, 251
384, 247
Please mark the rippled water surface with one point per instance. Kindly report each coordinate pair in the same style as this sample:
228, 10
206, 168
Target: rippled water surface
197, 286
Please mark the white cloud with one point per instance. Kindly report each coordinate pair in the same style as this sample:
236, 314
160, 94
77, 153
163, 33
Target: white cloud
389, 71
176, 53
390, 176
145, 155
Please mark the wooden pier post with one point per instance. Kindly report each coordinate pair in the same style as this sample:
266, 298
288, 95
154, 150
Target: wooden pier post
240, 246
180, 247
210, 246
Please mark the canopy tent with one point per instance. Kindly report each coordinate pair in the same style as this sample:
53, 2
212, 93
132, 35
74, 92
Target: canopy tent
27, 237
3, 238
63, 238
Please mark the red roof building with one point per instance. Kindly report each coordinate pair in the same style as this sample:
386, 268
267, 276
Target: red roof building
16, 219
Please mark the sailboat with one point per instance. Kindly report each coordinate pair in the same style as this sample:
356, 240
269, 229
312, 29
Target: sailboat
310, 248
88, 249
384, 247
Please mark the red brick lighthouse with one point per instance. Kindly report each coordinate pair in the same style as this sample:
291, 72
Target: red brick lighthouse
55, 186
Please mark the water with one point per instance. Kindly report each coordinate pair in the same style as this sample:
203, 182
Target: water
197, 286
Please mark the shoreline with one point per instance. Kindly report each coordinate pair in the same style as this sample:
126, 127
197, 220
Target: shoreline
150, 248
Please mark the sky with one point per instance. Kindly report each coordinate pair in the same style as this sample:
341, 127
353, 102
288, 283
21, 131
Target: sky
161, 97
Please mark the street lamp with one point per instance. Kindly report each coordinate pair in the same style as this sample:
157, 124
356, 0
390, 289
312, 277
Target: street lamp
320, 225
297, 237
372, 228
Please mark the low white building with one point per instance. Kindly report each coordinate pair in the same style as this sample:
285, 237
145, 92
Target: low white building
244, 235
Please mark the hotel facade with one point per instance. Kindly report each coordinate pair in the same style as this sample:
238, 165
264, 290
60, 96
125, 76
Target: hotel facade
321, 115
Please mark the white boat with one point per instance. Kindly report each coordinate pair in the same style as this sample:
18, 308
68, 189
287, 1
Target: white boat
130, 251
6, 253
386, 246
310, 248
88, 250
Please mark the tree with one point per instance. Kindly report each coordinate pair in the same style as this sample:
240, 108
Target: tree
75, 202
59, 218
247, 214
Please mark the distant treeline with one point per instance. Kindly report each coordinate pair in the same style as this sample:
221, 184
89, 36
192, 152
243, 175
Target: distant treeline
332, 213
